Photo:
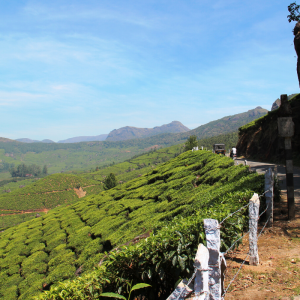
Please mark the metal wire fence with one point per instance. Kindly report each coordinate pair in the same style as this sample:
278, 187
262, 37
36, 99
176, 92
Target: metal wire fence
215, 227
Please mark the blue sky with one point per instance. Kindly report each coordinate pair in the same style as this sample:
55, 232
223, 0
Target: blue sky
72, 68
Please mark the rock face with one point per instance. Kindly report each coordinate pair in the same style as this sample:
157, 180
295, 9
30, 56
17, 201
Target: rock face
277, 103
259, 139
128, 132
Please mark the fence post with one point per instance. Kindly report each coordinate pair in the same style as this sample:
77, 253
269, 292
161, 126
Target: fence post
182, 290
286, 129
269, 184
275, 171
253, 218
201, 281
212, 231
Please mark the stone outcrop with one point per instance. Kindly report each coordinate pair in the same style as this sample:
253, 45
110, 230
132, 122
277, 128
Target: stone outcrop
259, 139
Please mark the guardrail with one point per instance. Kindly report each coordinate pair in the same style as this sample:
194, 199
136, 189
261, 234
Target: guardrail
207, 281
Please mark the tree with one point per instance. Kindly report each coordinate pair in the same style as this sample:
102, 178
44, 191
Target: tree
45, 170
191, 142
110, 181
295, 16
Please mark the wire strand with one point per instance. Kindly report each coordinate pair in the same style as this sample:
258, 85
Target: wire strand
236, 242
230, 215
234, 212
245, 259
235, 275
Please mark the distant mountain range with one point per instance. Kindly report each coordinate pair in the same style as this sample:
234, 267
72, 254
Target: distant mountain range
25, 140
79, 139
167, 134
128, 132
121, 134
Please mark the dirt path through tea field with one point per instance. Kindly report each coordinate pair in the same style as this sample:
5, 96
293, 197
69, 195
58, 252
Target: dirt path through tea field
278, 274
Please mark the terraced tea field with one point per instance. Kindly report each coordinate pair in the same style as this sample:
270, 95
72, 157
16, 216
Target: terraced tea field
168, 203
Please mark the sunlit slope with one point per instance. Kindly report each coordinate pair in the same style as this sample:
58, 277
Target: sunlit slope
47, 192
49, 249
137, 165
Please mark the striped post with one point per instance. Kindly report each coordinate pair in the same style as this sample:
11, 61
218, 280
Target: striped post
269, 187
253, 218
213, 241
286, 130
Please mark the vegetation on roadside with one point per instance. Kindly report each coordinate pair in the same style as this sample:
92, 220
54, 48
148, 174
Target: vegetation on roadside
190, 143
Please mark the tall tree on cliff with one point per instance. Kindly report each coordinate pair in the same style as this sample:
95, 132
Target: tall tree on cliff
295, 16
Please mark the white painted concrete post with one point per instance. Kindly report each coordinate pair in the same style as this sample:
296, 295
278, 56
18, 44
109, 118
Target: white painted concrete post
212, 231
269, 186
181, 291
253, 218
201, 281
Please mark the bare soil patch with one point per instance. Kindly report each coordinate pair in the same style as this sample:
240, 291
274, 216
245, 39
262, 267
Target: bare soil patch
20, 212
80, 192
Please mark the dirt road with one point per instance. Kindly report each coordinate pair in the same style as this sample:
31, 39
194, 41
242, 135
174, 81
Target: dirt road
278, 274
261, 167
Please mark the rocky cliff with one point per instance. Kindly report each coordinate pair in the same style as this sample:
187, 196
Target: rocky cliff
259, 139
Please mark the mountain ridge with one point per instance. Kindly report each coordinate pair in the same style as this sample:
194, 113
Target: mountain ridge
79, 139
130, 132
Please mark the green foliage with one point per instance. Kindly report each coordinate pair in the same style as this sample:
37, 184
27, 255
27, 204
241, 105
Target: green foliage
22, 170
118, 296
110, 181
191, 143
45, 170
47, 192
168, 203
294, 15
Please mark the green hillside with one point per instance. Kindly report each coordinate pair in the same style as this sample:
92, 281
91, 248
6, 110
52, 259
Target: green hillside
41, 195
60, 157
36, 196
25, 196
47, 192
177, 195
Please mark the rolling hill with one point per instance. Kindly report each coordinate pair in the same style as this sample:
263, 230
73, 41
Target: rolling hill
39, 253
32, 195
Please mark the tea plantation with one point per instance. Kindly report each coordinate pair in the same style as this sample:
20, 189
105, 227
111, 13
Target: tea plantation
47, 192
34, 194
169, 203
